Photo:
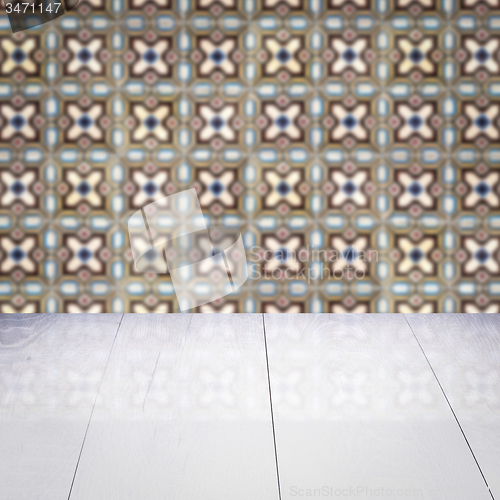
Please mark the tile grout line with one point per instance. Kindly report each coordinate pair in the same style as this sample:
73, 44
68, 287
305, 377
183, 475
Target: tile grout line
271, 404
93, 407
451, 408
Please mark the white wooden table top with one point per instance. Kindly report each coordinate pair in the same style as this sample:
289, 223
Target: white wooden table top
249, 406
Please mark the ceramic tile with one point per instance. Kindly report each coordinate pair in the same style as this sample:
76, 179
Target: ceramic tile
356, 128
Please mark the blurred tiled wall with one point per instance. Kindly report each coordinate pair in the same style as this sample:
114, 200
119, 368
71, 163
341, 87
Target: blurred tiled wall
355, 145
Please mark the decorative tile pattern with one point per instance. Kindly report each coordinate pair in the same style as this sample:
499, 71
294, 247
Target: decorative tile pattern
322, 129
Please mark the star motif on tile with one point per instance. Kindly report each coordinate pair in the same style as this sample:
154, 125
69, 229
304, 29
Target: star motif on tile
217, 56
338, 308
282, 254
83, 188
84, 56
349, 122
149, 187
349, 56
18, 122
283, 188
482, 189
427, 308
283, 56
274, 309
206, 4
98, 4
217, 123
416, 255
415, 122
217, 188
151, 123
138, 4
426, 4
17, 254
482, 255
482, 122
84, 254
74, 308
27, 308
18, 188
416, 56
293, 4
349, 188
362, 4
18, 56
350, 254
473, 3
140, 308
415, 190
282, 121
151, 57
481, 55
85, 122
474, 309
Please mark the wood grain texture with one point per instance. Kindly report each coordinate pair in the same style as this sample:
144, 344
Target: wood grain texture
50, 370
464, 351
358, 412
183, 413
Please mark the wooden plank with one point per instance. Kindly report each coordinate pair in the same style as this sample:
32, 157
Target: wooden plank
464, 351
50, 370
183, 413
358, 412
